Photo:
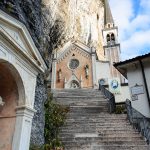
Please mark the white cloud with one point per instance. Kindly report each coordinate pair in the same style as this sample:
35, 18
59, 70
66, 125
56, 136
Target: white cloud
134, 45
122, 12
134, 29
145, 4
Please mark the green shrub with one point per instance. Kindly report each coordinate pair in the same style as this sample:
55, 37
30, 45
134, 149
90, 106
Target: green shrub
55, 116
120, 109
35, 147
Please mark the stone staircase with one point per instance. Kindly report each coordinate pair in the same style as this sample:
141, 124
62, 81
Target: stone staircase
89, 126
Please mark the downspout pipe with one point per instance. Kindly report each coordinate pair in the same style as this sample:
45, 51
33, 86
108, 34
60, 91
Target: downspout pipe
145, 83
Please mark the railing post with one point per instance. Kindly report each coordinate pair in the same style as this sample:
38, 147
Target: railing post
139, 121
110, 97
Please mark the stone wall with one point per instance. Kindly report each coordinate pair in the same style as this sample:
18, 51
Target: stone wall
37, 134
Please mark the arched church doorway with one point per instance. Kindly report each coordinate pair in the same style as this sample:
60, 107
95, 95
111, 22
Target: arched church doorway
9, 99
74, 84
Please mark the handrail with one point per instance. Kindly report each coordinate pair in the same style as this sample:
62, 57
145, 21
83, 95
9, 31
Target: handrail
139, 121
110, 97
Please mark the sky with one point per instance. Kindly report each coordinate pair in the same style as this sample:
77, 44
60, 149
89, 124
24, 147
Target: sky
133, 20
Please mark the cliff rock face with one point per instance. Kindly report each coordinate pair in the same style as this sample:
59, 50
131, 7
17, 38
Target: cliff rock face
83, 20
28, 12
51, 23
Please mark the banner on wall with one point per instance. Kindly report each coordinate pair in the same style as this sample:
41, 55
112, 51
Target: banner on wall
114, 85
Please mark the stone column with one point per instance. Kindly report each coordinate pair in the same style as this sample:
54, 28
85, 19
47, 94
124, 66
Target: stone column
94, 66
53, 80
21, 139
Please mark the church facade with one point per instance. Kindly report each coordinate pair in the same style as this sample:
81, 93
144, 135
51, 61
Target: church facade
77, 65
72, 67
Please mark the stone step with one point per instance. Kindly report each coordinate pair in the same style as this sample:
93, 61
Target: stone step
90, 116
97, 140
80, 96
121, 142
122, 147
77, 95
77, 123
80, 99
89, 126
75, 91
98, 120
107, 133
92, 109
92, 129
94, 116
108, 147
81, 102
100, 136
103, 115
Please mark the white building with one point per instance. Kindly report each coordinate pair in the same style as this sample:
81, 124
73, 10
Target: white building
137, 71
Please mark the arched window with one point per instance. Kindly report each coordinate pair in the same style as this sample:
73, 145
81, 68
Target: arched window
112, 38
108, 37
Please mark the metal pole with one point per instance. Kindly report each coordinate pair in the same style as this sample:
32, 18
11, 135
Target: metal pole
144, 78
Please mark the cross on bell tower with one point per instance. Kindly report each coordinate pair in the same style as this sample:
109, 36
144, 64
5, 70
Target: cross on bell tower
110, 40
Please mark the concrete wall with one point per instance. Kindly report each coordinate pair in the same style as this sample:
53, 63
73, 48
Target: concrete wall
124, 94
134, 75
102, 71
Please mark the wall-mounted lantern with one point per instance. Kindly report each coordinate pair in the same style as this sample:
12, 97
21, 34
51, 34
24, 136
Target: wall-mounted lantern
1, 101
59, 74
86, 71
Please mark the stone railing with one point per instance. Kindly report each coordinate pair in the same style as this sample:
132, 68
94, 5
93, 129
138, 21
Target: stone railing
110, 97
139, 121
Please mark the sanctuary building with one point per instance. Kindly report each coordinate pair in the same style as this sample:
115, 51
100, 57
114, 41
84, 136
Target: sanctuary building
77, 65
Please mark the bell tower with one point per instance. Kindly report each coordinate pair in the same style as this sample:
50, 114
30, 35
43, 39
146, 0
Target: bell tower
110, 40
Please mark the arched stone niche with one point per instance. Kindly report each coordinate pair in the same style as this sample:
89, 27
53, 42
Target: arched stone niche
20, 63
9, 94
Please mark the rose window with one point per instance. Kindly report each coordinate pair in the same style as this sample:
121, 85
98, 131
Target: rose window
74, 63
